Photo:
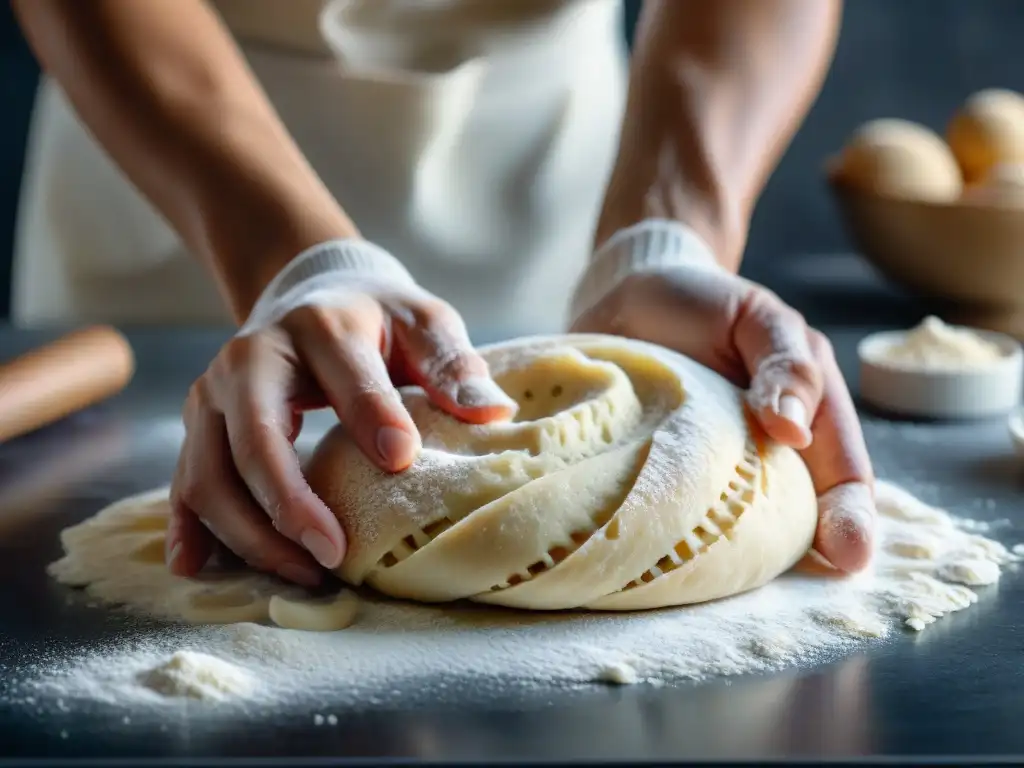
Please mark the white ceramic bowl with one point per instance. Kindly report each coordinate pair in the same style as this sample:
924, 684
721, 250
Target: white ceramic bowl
1016, 425
966, 393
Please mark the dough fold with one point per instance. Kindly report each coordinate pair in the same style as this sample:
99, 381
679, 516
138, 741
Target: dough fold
631, 478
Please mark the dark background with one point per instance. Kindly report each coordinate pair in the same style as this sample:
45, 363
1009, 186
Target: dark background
915, 59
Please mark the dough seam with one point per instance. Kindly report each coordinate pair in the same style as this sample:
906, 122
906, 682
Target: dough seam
719, 522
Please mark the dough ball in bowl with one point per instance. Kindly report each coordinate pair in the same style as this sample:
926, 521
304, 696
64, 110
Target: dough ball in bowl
631, 478
988, 130
898, 158
1002, 185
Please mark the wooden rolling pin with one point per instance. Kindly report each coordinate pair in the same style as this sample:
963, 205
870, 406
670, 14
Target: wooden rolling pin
61, 378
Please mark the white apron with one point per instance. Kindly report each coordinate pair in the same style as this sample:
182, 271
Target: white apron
471, 138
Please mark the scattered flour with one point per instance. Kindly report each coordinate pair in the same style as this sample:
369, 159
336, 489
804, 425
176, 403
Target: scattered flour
934, 345
973, 573
924, 567
198, 676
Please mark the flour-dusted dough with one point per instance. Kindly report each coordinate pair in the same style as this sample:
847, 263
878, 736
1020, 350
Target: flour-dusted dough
631, 478
324, 615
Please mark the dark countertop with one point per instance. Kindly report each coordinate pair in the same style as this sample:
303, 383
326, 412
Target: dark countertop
954, 690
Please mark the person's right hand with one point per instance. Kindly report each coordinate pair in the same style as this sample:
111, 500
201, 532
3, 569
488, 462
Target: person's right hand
238, 477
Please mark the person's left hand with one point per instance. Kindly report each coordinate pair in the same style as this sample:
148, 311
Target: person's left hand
747, 334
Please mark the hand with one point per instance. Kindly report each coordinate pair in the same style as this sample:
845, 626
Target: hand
238, 477
796, 390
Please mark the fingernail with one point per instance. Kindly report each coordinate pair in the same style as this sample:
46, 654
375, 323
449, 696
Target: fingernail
172, 542
320, 547
172, 551
483, 392
300, 574
396, 446
792, 409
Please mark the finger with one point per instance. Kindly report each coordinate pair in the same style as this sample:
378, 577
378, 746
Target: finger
188, 544
841, 470
343, 350
214, 492
785, 378
259, 423
440, 358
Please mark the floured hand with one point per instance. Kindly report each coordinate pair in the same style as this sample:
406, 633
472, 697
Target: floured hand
659, 283
342, 326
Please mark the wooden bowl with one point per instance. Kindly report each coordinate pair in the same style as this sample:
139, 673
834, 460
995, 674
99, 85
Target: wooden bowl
967, 255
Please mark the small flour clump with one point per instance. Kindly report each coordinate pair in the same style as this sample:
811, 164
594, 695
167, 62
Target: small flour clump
198, 676
933, 345
924, 568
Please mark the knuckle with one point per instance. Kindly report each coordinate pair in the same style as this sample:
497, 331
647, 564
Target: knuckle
332, 322
821, 345
257, 441
768, 311
794, 368
455, 364
767, 298
187, 491
437, 315
368, 391
200, 395
235, 354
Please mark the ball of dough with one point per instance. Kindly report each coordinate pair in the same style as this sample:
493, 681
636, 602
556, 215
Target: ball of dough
901, 159
986, 131
630, 478
1003, 185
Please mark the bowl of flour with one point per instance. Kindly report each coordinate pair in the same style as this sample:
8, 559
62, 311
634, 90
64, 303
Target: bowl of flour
941, 371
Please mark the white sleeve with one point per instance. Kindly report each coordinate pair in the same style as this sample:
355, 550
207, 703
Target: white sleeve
649, 246
321, 274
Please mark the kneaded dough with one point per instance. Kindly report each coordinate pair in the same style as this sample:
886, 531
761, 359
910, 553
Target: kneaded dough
631, 478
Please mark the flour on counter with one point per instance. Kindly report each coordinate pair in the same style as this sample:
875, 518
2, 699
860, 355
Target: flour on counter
925, 565
198, 676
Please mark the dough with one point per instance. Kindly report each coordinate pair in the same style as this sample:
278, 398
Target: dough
630, 478
326, 615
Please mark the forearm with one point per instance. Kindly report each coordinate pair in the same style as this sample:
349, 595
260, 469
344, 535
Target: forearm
717, 91
164, 90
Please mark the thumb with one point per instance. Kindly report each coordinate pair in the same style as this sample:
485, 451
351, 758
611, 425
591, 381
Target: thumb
785, 378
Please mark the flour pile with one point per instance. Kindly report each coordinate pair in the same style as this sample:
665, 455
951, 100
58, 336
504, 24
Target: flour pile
926, 565
935, 346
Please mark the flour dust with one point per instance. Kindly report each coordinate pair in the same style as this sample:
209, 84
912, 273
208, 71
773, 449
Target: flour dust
927, 565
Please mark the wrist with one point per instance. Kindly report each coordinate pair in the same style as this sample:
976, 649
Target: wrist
652, 246
635, 196
252, 243
255, 203
326, 275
